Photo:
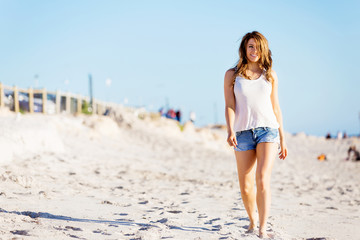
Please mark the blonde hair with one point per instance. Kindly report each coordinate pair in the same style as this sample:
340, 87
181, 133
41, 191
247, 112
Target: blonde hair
265, 60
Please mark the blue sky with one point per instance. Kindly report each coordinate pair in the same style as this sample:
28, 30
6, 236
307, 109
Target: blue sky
178, 51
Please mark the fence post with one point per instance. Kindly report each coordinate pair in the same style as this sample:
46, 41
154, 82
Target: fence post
16, 99
31, 100
79, 104
58, 101
68, 99
44, 100
2, 96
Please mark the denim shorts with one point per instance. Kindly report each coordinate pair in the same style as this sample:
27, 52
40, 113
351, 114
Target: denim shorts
249, 139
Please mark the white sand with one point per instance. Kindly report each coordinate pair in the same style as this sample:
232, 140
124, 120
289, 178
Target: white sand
65, 177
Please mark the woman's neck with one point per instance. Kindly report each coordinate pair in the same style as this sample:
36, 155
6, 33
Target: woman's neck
253, 67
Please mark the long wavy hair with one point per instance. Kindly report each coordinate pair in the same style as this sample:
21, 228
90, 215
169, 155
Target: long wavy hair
265, 60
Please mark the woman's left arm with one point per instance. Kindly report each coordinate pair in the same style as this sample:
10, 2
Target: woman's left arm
276, 107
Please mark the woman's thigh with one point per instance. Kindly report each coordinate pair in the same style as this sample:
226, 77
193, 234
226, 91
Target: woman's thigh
245, 161
265, 154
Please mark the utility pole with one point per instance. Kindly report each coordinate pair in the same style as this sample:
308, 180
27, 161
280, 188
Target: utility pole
91, 93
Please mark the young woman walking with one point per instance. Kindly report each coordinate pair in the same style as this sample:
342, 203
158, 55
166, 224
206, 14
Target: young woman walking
254, 124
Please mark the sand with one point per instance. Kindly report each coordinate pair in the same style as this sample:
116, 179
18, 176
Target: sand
131, 176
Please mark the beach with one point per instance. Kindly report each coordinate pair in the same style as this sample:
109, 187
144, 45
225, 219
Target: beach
131, 176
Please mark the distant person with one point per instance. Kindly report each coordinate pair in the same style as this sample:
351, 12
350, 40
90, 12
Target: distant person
107, 112
178, 115
171, 114
161, 111
328, 136
345, 135
339, 135
254, 124
192, 116
353, 154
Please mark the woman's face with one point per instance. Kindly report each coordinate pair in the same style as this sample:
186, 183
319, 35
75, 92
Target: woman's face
252, 53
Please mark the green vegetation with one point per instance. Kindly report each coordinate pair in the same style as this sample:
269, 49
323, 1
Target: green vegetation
85, 107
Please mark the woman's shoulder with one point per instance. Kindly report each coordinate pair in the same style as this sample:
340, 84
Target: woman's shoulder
273, 73
274, 76
229, 76
230, 73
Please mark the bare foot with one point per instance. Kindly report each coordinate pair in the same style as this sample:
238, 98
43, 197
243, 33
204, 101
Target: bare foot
251, 228
263, 234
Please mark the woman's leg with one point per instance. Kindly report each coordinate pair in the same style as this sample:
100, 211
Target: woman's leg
245, 165
265, 154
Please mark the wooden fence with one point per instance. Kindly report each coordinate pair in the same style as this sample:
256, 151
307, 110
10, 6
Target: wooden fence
39, 100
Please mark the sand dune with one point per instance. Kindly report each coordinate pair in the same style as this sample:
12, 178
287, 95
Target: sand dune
121, 177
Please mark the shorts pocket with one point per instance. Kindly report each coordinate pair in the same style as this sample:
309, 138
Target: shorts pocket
238, 133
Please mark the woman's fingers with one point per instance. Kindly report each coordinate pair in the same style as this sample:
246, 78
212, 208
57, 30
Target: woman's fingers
283, 154
232, 141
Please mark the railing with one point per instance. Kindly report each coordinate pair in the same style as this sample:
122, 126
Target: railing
39, 100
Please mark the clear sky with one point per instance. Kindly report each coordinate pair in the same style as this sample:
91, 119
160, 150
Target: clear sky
176, 52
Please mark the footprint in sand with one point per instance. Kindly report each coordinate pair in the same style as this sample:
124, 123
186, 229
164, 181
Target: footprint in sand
101, 232
73, 228
185, 193
20, 232
212, 220
321, 238
175, 211
163, 220
74, 236
230, 223
216, 228
332, 208
124, 220
121, 214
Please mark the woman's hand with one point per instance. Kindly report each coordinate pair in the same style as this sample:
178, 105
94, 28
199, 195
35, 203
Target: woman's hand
231, 139
283, 150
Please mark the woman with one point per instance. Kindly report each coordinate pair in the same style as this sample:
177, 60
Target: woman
254, 124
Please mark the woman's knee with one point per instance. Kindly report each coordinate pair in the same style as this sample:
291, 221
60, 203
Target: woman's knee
262, 182
247, 189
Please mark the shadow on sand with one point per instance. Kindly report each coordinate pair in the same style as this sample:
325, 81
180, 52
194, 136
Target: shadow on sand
65, 218
45, 215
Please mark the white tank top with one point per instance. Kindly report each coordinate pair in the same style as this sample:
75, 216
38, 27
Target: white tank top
253, 104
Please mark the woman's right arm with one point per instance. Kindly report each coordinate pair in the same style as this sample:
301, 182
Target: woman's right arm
230, 106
